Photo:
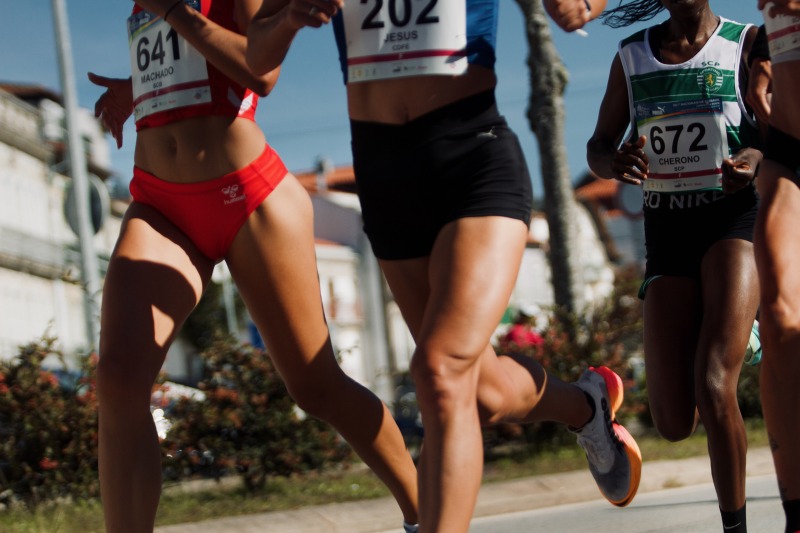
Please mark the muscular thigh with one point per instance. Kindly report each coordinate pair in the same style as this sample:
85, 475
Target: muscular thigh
671, 329
730, 301
456, 297
777, 246
273, 262
155, 278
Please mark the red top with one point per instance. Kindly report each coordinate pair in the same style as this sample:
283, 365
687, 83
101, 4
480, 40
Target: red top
172, 81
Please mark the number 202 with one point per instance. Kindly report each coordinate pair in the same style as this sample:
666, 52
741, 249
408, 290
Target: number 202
398, 21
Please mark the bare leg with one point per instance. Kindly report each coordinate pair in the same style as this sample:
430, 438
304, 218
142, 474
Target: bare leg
671, 326
777, 256
154, 280
510, 388
452, 302
730, 302
273, 262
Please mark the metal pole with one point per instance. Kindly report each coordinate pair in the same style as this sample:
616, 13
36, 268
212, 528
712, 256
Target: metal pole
222, 275
378, 362
77, 163
230, 306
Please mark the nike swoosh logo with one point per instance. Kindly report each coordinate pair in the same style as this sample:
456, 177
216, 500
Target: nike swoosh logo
731, 527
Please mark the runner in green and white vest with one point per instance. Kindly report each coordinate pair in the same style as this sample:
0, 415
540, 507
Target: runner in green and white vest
677, 90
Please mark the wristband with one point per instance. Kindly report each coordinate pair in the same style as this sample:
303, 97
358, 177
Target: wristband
170, 8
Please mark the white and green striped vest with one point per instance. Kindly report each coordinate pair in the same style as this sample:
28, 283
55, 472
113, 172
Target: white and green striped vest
693, 113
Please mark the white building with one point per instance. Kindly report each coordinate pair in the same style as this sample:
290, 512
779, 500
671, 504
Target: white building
40, 289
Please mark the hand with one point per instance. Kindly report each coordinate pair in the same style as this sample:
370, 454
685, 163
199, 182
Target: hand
739, 171
781, 7
313, 13
759, 89
571, 15
631, 164
115, 105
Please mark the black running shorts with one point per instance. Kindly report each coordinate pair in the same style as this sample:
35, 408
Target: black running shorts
784, 149
677, 240
458, 161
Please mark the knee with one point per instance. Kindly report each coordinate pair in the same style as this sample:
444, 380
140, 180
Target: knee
675, 433
443, 382
121, 382
780, 319
317, 396
673, 428
716, 397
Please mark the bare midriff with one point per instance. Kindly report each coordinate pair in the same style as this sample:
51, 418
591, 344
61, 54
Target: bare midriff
400, 100
785, 105
198, 149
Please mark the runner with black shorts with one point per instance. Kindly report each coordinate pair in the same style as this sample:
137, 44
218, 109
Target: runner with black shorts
678, 86
446, 200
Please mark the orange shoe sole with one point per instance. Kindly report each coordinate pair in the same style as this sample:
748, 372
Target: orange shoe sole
615, 396
635, 460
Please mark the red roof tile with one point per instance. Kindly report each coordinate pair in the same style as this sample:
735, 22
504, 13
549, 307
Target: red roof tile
603, 192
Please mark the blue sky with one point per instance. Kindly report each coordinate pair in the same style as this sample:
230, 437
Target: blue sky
305, 117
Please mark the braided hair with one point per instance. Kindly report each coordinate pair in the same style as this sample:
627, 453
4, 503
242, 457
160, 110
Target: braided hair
631, 12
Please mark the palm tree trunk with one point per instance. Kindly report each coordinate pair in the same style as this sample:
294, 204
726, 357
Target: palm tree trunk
548, 77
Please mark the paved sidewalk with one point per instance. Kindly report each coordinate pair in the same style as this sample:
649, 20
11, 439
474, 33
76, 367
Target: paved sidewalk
382, 515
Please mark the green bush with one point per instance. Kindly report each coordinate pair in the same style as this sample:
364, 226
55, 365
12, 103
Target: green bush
248, 423
48, 429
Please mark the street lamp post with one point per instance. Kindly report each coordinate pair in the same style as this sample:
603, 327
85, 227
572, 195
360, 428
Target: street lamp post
77, 165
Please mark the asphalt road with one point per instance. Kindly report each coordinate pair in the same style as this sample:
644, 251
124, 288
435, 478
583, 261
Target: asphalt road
681, 510
674, 496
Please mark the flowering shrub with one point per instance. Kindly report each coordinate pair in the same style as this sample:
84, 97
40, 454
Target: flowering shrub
48, 429
247, 423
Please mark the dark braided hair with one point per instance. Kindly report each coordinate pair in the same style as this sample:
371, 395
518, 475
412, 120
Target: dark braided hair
631, 12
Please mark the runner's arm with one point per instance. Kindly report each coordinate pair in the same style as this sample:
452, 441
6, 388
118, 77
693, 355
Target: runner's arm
739, 170
606, 157
571, 15
223, 48
276, 24
115, 105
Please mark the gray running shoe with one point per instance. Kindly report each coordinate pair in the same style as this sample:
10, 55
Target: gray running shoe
614, 457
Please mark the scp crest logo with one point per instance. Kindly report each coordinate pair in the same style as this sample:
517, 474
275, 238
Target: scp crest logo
710, 80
